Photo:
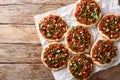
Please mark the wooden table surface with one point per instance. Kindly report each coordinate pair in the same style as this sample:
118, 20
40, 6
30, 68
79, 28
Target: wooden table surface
20, 47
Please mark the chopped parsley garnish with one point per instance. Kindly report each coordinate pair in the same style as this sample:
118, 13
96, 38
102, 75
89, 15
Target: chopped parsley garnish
102, 44
53, 50
94, 15
74, 68
83, 7
113, 21
105, 59
88, 6
113, 48
76, 72
74, 46
111, 27
47, 53
55, 30
53, 25
58, 54
80, 64
40, 25
48, 34
73, 27
87, 60
84, 14
76, 35
83, 41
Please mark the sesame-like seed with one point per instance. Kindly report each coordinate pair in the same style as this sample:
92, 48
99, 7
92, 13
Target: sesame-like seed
107, 30
111, 36
107, 20
48, 25
117, 29
54, 20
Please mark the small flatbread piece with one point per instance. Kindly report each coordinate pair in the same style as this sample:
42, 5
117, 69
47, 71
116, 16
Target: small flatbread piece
87, 12
109, 26
78, 39
55, 56
80, 67
103, 52
52, 27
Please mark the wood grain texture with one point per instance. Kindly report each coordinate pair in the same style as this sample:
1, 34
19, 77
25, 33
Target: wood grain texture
24, 72
65, 2
109, 74
24, 13
13, 33
20, 47
20, 53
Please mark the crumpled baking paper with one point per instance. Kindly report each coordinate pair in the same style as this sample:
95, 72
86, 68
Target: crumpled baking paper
107, 6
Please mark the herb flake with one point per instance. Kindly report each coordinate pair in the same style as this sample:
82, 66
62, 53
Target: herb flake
84, 14
74, 46
40, 25
73, 27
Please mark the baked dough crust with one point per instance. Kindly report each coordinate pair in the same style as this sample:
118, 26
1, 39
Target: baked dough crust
86, 50
102, 32
91, 25
53, 40
96, 62
69, 72
42, 58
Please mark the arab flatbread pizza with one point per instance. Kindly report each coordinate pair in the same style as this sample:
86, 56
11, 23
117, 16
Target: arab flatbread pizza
78, 39
109, 26
103, 52
80, 67
52, 27
87, 12
55, 56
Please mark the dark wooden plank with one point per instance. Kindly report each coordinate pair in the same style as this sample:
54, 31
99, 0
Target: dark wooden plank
20, 53
18, 34
24, 72
109, 74
37, 1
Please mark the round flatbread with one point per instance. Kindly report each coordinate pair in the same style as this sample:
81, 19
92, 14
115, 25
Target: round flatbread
78, 39
55, 56
87, 12
109, 26
103, 52
52, 27
80, 67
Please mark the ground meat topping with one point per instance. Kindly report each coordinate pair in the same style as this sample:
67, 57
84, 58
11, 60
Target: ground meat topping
78, 38
56, 55
104, 51
52, 27
87, 12
110, 26
81, 66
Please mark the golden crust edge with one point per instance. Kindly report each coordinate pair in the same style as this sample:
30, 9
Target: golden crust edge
102, 32
71, 73
91, 25
96, 62
53, 69
86, 50
53, 40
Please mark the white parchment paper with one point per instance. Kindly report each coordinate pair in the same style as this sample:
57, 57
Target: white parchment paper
108, 6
